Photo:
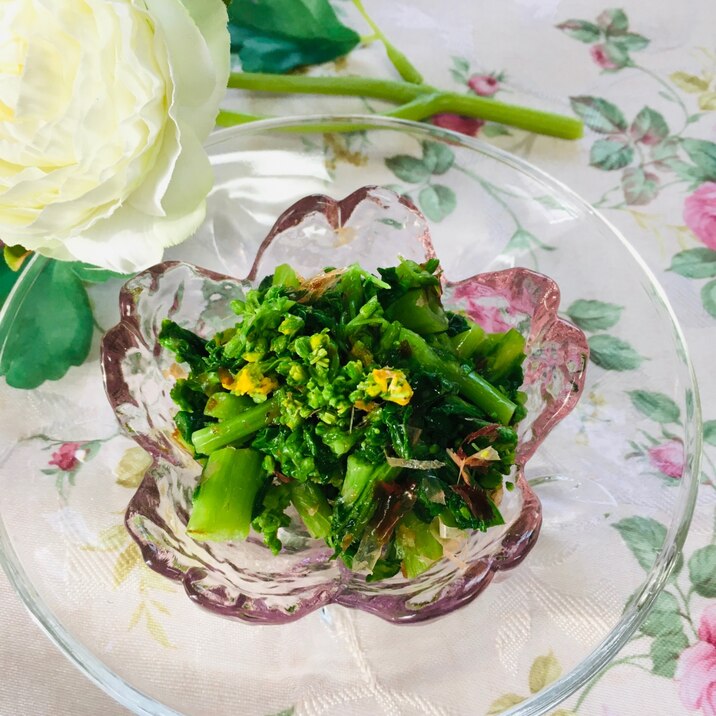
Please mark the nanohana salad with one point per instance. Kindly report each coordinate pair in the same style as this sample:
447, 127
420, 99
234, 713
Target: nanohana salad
386, 421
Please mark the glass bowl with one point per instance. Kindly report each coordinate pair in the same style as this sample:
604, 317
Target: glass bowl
613, 525
372, 226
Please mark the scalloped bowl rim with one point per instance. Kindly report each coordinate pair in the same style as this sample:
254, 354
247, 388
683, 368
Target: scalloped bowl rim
133, 333
135, 700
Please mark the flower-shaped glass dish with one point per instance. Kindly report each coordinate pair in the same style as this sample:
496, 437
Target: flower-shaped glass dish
579, 594
374, 227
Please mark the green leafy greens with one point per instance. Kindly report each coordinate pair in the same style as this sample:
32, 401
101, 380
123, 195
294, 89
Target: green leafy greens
385, 420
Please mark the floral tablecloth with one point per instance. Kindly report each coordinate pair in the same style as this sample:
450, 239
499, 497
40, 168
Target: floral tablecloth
643, 76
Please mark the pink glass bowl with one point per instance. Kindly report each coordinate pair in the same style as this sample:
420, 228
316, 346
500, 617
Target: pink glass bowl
373, 227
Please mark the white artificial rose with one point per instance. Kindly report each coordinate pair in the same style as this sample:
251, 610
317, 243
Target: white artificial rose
104, 107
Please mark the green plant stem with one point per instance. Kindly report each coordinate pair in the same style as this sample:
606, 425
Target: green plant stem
685, 598
628, 660
402, 64
620, 205
225, 118
493, 192
389, 90
671, 91
602, 201
97, 325
419, 101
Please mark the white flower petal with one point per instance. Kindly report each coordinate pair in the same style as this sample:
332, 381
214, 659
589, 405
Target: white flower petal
192, 178
130, 240
199, 76
104, 105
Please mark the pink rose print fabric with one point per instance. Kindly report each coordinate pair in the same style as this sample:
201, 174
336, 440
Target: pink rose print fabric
668, 458
68, 457
700, 213
696, 671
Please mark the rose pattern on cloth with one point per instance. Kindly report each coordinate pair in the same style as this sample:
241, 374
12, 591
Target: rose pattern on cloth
624, 693
651, 155
479, 83
484, 85
668, 458
464, 125
68, 457
696, 671
600, 56
700, 213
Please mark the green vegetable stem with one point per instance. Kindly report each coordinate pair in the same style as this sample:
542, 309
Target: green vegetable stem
417, 101
235, 429
359, 400
224, 501
469, 383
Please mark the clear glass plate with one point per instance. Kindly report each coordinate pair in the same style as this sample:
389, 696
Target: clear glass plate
67, 473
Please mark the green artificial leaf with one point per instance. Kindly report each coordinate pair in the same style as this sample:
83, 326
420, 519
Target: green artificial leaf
613, 21
649, 127
52, 329
629, 41
702, 571
407, 168
277, 36
544, 671
15, 256
437, 201
657, 406
639, 187
689, 83
505, 702
644, 536
7, 281
594, 315
665, 652
710, 432
580, 30
438, 158
708, 297
664, 617
609, 154
598, 114
613, 353
695, 263
703, 154
95, 274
